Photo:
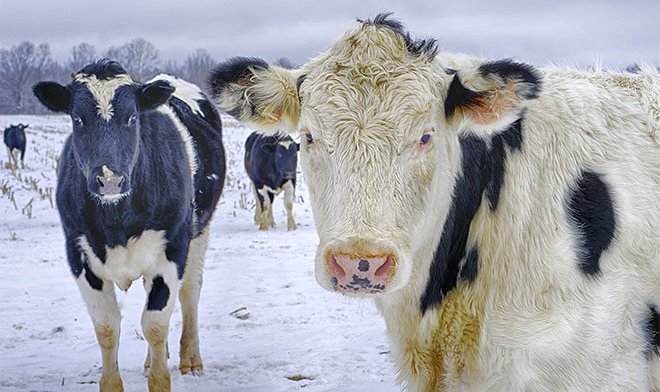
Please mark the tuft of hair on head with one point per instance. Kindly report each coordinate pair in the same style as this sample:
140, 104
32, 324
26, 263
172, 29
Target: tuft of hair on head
427, 47
102, 69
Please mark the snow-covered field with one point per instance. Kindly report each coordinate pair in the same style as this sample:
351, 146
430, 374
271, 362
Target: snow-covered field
288, 333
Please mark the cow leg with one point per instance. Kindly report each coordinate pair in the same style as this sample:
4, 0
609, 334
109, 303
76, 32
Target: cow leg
191, 360
264, 217
162, 286
257, 204
22, 157
271, 220
289, 196
99, 297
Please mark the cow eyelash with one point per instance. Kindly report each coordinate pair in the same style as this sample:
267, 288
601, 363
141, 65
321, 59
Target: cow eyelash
131, 120
77, 120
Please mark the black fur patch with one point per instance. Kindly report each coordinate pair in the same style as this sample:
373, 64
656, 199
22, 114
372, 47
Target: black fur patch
93, 280
417, 47
651, 327
159, 294
483, 174
103, 69
509, 69
458, 96
466, 200
470, 268
591, 210
511, 138
234, 70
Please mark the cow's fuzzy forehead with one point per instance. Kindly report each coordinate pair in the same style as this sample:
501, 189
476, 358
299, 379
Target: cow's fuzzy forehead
103, 90
369, 81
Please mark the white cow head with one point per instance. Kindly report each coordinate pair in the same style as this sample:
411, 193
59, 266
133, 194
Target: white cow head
381, 117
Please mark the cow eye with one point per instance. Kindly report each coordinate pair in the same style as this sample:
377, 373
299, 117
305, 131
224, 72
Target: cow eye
77, 120
309, 138
425, 139
131, 120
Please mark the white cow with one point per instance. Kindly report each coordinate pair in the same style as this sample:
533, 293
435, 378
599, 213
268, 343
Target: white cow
505, 219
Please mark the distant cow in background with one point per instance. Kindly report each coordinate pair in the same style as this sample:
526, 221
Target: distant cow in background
138, 181
15, 142
270, 162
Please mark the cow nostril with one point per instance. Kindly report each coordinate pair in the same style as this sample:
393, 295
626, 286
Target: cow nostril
339, 271
121, 181
363, 265
99, 181
382, 270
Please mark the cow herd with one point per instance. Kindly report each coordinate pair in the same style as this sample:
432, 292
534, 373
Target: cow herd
504, 218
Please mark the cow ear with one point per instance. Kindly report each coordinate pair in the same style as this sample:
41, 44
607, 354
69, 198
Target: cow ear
262, 95
152, 95
491, 95
53, 95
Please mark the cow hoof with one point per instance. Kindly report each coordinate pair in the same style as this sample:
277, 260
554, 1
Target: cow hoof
292, 226
195, 369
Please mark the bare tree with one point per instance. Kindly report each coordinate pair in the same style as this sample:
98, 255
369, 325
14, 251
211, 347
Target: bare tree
20, 67
81, 55
173, 68
197, 67
139, 58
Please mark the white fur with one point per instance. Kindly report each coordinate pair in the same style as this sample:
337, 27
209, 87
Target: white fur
123, 265
103, 90
531, 320
185, 137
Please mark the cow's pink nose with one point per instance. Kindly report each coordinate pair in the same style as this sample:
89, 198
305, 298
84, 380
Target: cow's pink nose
350, 273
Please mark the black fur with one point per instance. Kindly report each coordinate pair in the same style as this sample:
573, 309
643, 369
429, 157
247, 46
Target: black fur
509, 69
417, 47
159, 294
591, 210
470, 268
458, 96
269, 164
103, 69
93, 280
234, 70
210, 176
483, 174
651, 327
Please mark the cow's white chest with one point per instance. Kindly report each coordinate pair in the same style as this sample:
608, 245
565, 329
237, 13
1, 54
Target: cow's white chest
124, 264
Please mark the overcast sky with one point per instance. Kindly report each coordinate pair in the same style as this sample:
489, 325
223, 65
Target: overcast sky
614, 33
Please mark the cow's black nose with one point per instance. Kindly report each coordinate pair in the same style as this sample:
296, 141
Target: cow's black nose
110, 186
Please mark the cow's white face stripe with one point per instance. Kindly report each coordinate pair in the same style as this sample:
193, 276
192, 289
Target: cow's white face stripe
286, 143
103, 90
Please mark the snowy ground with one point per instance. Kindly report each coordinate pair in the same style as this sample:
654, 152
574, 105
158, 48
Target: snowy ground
290, 327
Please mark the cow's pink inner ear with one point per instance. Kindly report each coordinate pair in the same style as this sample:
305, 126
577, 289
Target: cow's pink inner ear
490, 106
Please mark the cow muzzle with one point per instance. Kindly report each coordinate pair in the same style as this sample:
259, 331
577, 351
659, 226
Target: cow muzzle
360, 267
108, 185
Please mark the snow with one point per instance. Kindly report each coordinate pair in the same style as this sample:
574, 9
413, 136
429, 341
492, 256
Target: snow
263, 317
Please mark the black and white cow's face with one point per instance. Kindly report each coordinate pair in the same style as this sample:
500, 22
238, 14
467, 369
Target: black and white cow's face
105, 106
380, 117
285, 152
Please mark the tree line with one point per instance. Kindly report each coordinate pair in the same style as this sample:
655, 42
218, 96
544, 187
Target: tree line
25, 64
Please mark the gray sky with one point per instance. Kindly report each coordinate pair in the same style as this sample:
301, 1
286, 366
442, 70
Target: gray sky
614, 33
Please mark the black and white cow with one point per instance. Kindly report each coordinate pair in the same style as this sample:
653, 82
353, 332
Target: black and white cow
506, 219
271, 162
15, 141
138, 181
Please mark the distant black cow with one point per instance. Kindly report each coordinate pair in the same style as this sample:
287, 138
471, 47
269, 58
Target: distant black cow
15, 142
138, 181
270, 162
